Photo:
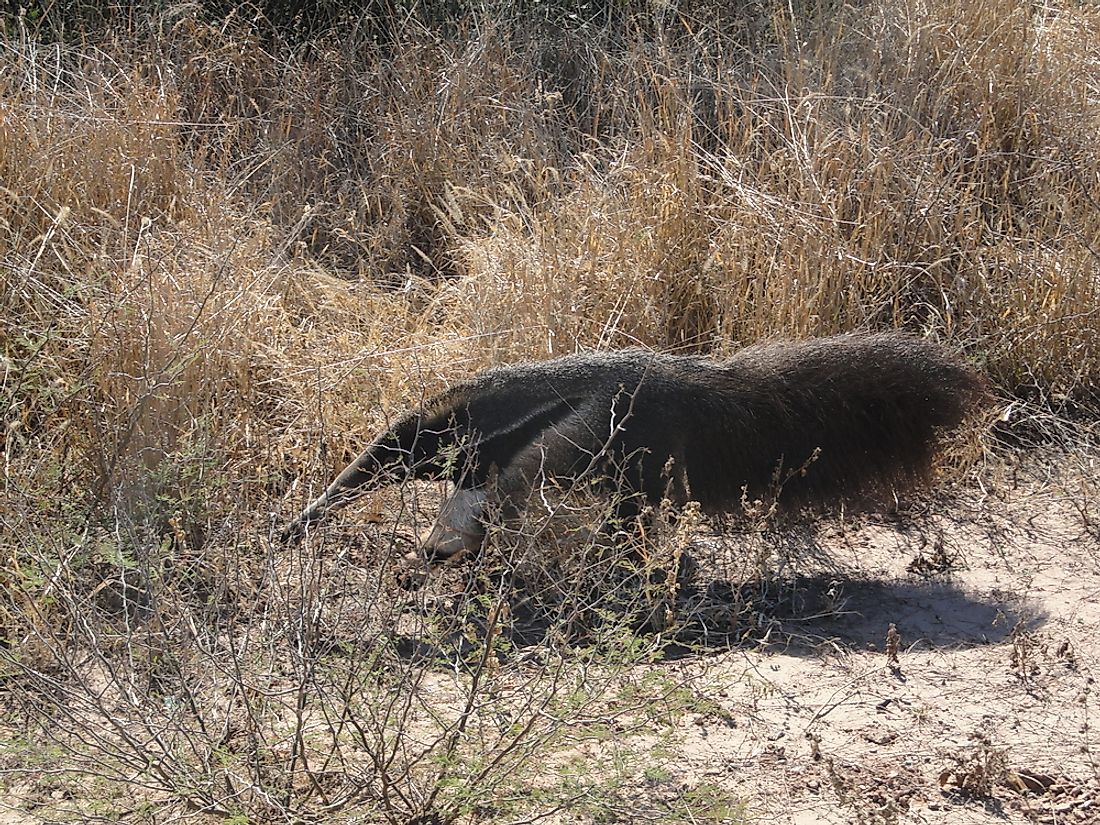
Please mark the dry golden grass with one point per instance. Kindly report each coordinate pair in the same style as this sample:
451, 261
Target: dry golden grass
208, 236
211, 238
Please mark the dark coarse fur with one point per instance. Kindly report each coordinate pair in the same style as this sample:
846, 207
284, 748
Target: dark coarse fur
860, 414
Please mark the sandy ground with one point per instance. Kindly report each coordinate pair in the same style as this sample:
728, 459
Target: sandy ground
989, 713
981, 709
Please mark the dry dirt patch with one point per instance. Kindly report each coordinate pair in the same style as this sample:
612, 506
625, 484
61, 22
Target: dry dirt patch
982, 706
941, 673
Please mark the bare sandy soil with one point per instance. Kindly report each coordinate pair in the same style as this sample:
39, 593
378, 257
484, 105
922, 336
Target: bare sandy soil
988, 710
979, 707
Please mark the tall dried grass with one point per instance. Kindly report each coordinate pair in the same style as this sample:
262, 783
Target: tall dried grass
209, 235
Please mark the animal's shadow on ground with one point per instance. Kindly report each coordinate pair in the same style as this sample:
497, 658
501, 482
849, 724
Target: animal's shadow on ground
857, 613
800, 614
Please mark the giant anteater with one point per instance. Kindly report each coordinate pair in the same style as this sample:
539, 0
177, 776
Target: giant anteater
846, 418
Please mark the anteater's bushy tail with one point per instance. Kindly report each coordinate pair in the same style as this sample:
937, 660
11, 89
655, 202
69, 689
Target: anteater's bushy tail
870, 410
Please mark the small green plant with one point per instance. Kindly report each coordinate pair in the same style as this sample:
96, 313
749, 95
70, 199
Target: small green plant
709, 803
